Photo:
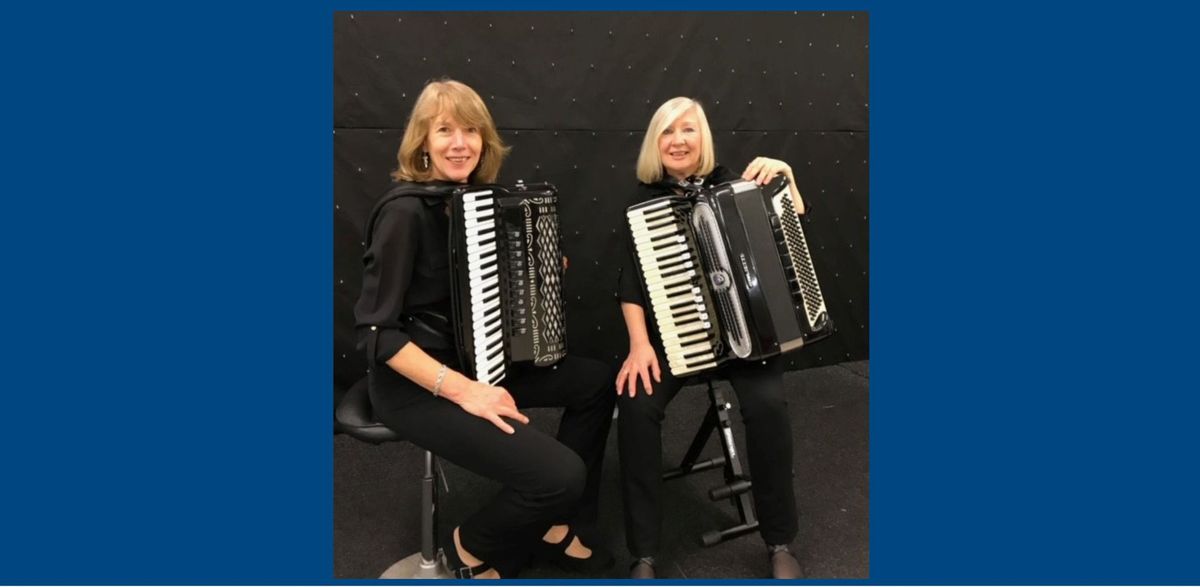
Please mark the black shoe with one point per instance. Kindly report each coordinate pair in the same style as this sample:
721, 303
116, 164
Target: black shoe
642, 568
601, 560
454, 563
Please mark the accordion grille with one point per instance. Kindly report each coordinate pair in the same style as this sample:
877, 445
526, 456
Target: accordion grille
797, 245
720, 278
550, 288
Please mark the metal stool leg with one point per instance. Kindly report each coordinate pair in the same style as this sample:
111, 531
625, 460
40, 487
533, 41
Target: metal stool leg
426, 564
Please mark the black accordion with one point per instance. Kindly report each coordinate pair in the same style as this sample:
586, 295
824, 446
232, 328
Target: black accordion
727, 273
506, 278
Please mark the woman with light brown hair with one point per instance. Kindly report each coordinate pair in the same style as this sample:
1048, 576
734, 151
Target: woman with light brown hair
403, 320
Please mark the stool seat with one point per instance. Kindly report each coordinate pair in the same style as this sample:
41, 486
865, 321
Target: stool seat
355, 417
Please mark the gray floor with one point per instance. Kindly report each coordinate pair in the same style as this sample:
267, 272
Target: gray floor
377, 493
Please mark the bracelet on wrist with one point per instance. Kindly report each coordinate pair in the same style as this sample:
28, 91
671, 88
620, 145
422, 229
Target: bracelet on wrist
441, 377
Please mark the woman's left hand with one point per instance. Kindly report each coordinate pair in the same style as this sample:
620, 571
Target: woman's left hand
762, 169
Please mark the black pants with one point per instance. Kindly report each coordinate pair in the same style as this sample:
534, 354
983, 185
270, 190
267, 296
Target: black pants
769, 445
546, 480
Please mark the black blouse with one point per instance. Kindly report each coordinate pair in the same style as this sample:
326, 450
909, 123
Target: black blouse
406, 271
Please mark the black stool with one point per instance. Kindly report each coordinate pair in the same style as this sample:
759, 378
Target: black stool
355, 417
737, 482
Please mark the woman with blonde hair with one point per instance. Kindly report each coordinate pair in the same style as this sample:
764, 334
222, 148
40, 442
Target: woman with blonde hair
402, 317
678, 150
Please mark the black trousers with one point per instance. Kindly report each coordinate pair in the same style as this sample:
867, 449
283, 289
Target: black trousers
759, 388
546, 480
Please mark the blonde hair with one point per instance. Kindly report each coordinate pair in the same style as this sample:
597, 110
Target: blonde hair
649, 163
464, 104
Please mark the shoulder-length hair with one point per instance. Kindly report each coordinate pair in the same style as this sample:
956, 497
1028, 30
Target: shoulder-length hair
446, 96
649, 163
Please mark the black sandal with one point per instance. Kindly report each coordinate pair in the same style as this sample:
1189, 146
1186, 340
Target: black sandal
556, 552
454, 563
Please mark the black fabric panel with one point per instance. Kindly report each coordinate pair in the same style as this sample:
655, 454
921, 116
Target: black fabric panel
573, 93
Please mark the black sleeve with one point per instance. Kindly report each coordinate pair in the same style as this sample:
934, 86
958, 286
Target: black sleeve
807, 202
387, 273
721, 174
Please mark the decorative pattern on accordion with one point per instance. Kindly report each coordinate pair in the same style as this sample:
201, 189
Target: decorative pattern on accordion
507, 278
720, 278
551, 304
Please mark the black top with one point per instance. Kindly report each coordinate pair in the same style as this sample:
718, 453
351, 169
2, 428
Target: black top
406, 271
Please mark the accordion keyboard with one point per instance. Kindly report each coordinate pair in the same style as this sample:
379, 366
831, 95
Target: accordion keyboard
674, 279
484, 282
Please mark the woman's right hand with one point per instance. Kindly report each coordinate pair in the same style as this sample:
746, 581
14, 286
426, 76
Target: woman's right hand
641, 362
490, 403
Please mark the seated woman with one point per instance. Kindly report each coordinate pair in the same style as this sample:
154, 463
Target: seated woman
678, 148
550, 484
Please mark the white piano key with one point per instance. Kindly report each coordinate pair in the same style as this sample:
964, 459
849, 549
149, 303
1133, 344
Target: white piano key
496, 364
479, 241
480, 264
650, 213
643, 236
694, 337
674, 248
488, 310
639, 227
654, 285
484, 283
681, 330
476, 196
691, 358
681, 291
648, 208
692, 368
473, 216
483, 248
649, 257
674, 301
665, 269
689, 348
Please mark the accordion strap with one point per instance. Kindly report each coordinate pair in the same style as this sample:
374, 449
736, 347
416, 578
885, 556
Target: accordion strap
406, 189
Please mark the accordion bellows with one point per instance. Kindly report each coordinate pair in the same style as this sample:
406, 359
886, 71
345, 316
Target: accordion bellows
506, 278
728, 274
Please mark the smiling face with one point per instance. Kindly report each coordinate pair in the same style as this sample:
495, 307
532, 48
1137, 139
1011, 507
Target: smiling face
453, 148
679, 146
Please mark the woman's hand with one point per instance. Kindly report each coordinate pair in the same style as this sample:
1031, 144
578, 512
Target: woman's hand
762, 169
490, 403
640, 363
